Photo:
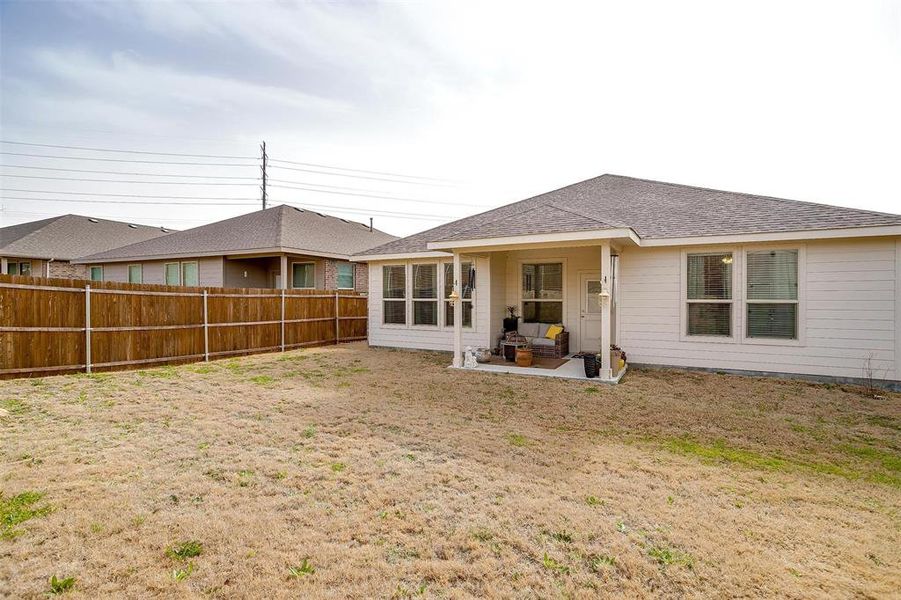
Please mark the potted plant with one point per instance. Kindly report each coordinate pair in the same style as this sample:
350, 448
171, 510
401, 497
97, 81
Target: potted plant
511, 323
524, 355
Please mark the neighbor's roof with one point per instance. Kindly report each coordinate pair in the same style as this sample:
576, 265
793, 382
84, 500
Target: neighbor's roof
277, 228
653, 209
68, 237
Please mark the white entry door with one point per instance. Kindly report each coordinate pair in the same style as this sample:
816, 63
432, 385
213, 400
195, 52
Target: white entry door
590, 312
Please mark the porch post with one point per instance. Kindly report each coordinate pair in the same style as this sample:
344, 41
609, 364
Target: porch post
3, 266
458, 312
284, 271
605, 370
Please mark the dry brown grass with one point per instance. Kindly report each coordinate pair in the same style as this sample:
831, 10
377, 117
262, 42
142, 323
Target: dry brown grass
394, 476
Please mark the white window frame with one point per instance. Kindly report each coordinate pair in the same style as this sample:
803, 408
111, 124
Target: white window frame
353, 275
522, 301
165, 272
442, 317
303, 262
800, 340
411, 299
91, 271
735, 324
381, 291
181, 270
140, 271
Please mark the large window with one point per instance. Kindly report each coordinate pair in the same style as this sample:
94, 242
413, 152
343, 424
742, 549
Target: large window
466, 294
542, 293
710, 294
425, 294
18, 268
303, 275
189, 273
173, 274
135, 274
772, 294
394, 294
345, 275
96, 273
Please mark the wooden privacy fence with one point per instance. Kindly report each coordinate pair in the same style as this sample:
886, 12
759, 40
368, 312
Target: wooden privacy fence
66, 325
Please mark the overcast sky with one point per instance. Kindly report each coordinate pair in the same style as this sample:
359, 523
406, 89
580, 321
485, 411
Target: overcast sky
498, 100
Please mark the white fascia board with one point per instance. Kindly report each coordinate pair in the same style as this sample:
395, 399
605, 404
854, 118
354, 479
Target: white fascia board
399, 256
539, 238
250, 253
814, 234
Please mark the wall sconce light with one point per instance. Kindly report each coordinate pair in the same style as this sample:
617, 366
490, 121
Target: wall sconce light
454, 296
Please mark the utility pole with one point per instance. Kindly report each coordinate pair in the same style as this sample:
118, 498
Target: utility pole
265, 158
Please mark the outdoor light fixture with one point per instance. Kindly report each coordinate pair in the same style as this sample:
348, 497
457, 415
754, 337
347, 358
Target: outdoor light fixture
454, 296
727, 260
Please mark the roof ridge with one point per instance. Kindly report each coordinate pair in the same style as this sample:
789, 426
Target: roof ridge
763, 196
49, 221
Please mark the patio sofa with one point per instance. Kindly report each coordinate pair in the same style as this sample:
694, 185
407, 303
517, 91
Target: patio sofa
536, 334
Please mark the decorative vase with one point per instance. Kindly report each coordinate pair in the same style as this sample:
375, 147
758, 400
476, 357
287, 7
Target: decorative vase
524, 357
511, 324
483, 355
591, 365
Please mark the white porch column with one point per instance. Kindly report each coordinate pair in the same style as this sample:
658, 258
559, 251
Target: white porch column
458, 312
284, 271
605, 370
3, 266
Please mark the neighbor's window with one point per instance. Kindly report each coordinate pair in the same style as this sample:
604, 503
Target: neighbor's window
303, 275
189, 273
394, 294
710, 294
772, 294
542, 293
425, 294
135, 274
97, 273
18, 268
173, 274
466, 294
345, 276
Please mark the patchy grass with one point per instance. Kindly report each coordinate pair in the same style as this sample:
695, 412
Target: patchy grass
61, 585
378, 473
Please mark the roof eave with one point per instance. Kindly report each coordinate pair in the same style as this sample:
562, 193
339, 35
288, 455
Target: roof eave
398, 256
95, 259
567, 237
776, 236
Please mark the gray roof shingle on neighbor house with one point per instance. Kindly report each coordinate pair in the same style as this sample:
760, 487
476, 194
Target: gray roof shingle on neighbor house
279, 227
68, 237
653, 209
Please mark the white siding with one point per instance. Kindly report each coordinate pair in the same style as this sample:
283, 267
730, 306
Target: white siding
209, 270
430, 338
848, 313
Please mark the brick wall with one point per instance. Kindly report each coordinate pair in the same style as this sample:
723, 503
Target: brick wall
67, 270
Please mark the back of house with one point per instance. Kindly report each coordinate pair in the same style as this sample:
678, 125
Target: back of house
675, 275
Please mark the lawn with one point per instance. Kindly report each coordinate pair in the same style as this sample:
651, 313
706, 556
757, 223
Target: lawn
349, 471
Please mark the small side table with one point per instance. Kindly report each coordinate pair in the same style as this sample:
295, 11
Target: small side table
510, 346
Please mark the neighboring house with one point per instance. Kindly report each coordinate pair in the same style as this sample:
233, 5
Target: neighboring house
280, 247
675, 275
46, 248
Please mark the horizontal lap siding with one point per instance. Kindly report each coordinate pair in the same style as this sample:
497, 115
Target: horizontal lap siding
430, 338
850, 315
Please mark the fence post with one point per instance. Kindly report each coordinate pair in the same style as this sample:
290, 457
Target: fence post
87, 328
283, 320
337, 321
206, 330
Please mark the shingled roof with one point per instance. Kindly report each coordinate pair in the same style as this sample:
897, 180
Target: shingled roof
653, 209
283, 228
68, 237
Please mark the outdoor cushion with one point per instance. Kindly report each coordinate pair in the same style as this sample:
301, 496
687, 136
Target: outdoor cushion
542, 329
542, 341
528, 329
553, 331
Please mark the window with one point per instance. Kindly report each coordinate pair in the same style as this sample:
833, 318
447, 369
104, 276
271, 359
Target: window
135, 274
18, 268
189, 273
173, 274
466, 295
709, 299
96, 273
394, 294
772, 294
303, 275
542, 293
345, 276
425, 294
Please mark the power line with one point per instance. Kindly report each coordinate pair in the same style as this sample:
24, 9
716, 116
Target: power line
378, 213
368, 195
124, 160
390, 174
306, 189
17, 190
121, 203
117, 218
127, 151
127, 181
355, 176
126, 173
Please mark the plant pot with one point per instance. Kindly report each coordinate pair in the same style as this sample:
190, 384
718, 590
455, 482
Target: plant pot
524, 357
483, 355
591, 365
511, 324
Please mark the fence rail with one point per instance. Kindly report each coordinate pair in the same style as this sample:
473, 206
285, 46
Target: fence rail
65, 325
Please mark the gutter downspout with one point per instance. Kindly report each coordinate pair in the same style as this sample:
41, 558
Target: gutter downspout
47, 268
